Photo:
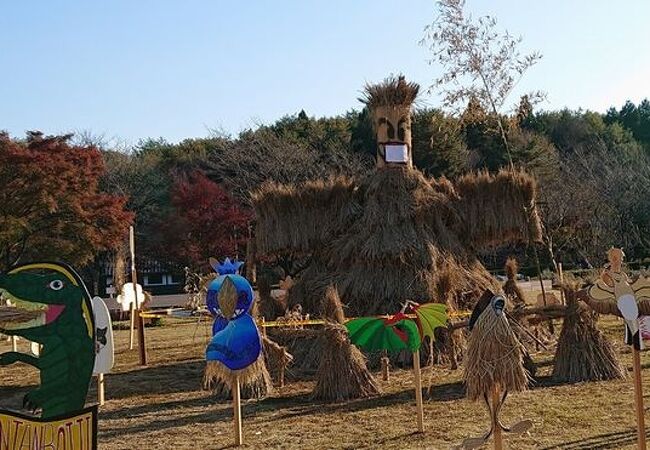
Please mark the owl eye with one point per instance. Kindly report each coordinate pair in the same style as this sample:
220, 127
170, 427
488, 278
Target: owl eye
56, 285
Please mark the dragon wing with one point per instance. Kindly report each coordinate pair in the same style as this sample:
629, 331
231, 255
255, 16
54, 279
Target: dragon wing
429, 317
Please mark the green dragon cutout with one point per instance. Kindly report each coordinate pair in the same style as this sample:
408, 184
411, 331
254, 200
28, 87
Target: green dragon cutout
56, 313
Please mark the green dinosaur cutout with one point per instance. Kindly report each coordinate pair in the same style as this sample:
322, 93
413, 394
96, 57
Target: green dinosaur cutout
59, 308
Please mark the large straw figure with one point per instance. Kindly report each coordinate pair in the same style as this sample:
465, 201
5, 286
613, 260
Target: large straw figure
394, 235
494, 365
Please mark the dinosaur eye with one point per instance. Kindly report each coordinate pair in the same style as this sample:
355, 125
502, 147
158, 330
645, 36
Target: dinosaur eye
56, 285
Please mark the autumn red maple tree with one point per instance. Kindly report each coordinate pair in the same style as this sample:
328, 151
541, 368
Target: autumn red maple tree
50, 203
205, 221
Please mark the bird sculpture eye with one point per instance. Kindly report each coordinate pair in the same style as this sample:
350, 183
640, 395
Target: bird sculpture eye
56, 285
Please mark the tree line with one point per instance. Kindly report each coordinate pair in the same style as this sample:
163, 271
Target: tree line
73, 198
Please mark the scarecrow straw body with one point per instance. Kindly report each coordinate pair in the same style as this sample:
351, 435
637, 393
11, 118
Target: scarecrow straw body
494, 357
395, 235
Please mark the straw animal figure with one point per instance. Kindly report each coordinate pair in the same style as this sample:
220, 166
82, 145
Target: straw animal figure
494, 365
394, 235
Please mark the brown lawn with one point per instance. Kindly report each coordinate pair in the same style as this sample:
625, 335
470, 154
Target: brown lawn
163, 406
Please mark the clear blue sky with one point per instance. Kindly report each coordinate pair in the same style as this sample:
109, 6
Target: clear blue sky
174, 69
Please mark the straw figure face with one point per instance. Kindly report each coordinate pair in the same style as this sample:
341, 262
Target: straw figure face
390, 106
494, 356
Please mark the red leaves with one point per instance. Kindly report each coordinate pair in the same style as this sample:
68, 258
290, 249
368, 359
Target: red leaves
206, 221
50, 203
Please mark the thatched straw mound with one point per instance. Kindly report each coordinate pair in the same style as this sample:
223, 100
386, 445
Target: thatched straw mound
398, 249
315, 210
398, 236
255, 381
583, 352
494, 357
492, 209
510, 288
342, 372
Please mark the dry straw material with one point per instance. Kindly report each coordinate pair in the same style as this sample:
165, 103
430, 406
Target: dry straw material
394, 236
255, 381
498, 208
393, 91
583, 352
303, 216
342, 372
494, 357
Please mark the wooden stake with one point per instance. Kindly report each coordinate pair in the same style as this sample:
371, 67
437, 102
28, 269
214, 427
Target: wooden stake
14, 343
132, 327
282, 376
638, 399
498, 438
418, 390
385, 372
239, 439
559, 267
138, 318
100, 389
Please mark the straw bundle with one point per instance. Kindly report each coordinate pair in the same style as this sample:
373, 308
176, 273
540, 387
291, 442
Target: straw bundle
277, 357
510, 287
494, 357
583, 352
342, 372
498, 208
301, 217
255, 381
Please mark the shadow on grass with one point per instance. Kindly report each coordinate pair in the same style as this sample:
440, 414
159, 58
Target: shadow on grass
608, 441
165, 379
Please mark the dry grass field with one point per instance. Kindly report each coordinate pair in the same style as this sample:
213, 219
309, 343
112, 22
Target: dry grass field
164, 406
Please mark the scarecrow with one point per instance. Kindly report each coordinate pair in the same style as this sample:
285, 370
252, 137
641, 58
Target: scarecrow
494, 365
394, 235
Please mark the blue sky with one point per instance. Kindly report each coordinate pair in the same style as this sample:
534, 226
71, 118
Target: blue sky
175, 69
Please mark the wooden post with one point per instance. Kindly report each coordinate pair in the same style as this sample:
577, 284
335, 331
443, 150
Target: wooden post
638, 399
14, 343
418, 390
138, 318
559, 267
100, 389
498, 438
239, 439
132, 327
385, 372
282, 376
